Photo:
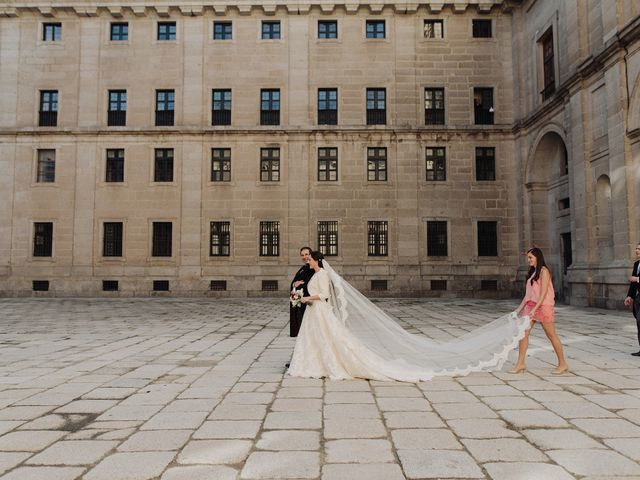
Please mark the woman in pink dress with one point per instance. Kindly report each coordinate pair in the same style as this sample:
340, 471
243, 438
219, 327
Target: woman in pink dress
538, 304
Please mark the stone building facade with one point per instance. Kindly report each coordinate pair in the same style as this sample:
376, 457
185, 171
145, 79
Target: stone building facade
195, 147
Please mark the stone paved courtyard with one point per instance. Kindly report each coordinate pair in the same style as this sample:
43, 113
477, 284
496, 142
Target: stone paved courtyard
183, 389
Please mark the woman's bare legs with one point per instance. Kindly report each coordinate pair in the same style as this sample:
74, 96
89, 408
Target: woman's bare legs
550, 330
522, 351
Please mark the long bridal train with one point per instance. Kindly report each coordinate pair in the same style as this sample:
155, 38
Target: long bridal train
349, 337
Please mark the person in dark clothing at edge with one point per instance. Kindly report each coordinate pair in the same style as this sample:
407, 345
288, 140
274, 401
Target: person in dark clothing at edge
300, 280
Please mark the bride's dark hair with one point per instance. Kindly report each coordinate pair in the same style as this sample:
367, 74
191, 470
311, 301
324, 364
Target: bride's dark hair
317, 256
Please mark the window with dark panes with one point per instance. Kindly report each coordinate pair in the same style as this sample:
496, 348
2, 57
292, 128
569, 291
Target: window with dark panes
221, 107
436, 166
269, 239
375, 28
110, 285
327, 106
270, 164
115, 165
327, 29
117, 113
112, 239
548, 67
567, 251
43, 239
220, 164
487, 239
434, 106
270, 106
378, 238
119, 31
270, 30
222, 31
51, 32
163, 165
46, 172
485, 163
483, 106
162, 239
220, 239
437, 239
166, 30
48, 114
376, 164
328, 237
376, 106
433, 29
481, 28
165, 107
327, 164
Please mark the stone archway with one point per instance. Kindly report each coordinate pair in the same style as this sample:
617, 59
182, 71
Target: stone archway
548, 204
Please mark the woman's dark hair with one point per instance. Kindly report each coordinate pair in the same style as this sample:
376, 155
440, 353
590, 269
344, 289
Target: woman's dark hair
317, 256
306, 248
534, 272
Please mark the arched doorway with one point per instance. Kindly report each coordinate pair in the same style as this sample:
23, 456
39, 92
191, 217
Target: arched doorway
548, 206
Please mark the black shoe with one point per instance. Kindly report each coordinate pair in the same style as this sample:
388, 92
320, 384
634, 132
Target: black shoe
636, 354
288, 364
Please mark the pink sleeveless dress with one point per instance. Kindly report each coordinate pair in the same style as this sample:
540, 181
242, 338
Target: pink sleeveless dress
545, 312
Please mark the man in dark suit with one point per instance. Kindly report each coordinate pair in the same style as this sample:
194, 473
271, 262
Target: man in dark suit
633, 295
300, 280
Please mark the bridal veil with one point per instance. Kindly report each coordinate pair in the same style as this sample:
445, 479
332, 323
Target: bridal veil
400, 355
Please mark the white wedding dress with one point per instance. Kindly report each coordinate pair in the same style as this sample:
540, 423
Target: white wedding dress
345, 336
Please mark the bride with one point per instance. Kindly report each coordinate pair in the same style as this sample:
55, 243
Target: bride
344, 336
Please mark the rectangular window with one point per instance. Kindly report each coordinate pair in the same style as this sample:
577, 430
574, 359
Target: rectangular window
485, 164
163, 165
379, 285
375, 29
110, 285
51, 32
327, 29
218, 285
269, 285
165, 107
220, 239
327, 106
378, 238
112, 239
270, 106
222, 31
162, 239
220, 164
269, 239
117, 113
48, 115
438, 284
327, 164
482, 28
40, 285
46, 166
119, 31
437, 239
115, 165
271, 30
161, 285
548, 67
487, 239
42, 239
567, 253
221, 107
436, 166
483, 106
434, 106
376, 164
433, 29
376, 106
270, 164
328, 237
166, 30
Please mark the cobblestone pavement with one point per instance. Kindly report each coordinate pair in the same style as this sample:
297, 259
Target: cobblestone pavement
176, 389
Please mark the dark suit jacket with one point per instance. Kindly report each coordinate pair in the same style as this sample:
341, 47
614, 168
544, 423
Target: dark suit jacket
634, 287
305, 273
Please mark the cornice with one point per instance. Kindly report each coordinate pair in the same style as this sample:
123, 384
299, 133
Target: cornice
117, 8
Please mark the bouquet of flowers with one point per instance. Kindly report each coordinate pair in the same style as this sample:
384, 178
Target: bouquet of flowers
296, 297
